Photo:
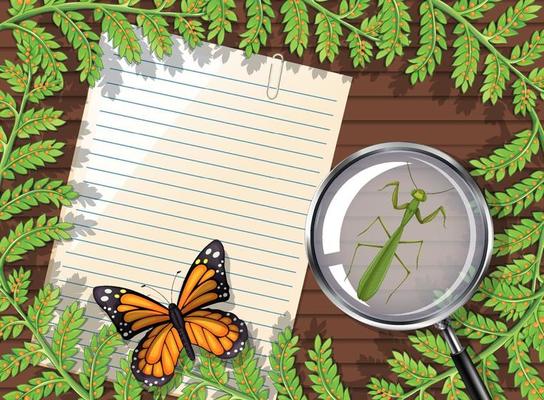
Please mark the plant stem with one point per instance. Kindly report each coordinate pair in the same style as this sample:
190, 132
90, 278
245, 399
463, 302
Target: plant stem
318, 7
537, 126
448, 10
236, 394
91, 6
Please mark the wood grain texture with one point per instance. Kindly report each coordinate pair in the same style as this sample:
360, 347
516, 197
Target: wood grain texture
382, 106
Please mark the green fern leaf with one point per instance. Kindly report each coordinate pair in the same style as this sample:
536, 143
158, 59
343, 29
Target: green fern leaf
487, 369
415, 373
248, 376
213, 368
514, 19
33, 193
535, 332
37, 388
34, 122
283, 372
477, 327
518, 197
258, 26
474, 9
381, 389
20, 6
360, 49
328, 32
466, 58
221, 14
126, 386
185, 364
97, 359
529, 52
510, 301
30, 235
453, 388
121, 34
295, 25
67, 334
16, 76
191, 30
19, 359
536, 76
194, 391
7, 105
155, 30
524, 98
497, 74
510, 158
18, 283
526, 377
432, 42
37, 47
10, 327
432, 346
518, 272
40, 313
31, 156
395, 29
371, 26
44, 86
519, 236
352, 9
80, 35
324, 372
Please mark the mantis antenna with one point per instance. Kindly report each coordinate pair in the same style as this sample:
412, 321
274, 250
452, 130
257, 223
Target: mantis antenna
172, 288
410, 173
156, 291
442, 191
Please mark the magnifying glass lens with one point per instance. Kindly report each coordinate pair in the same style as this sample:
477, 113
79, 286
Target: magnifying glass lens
399, 237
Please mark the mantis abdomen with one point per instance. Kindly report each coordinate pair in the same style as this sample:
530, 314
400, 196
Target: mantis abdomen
375, 273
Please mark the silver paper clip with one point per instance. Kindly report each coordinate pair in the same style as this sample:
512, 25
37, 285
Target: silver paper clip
268, 86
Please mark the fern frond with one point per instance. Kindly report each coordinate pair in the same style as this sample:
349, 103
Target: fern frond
432, 42
518, 272
474, 9
80, 35
155, 30
328, 32
121, 34
184, 364
510, 158
67, 334
194, 391
33, 193
295, 25
352, 9
248, 376
524, 98
518, 197
126, 386
509, 23
283, 372
487, 368
258, 25
395, 29
40, 313
529, 52
372, 25
190, 29
19, 359
526, 377
324, 372
44, 86
19, 282
96, 359
213, 368
222, 14
7, 105
30, 235
510, 301
360, 49
34, 122
535, 332
476, 326
453, 388
37, 388
519, 236
10, 327
432, 346
31, 156
381, 389
466, 58
415, 373
19, 7
497, 74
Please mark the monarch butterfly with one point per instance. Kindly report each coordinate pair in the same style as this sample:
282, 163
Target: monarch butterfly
180, 325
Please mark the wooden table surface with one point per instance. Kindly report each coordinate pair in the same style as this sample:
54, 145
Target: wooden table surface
382, 106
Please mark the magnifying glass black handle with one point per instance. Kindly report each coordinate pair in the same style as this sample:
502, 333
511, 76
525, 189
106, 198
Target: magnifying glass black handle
474, 385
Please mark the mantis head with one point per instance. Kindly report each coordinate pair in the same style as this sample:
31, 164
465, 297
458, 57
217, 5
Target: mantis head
419, 195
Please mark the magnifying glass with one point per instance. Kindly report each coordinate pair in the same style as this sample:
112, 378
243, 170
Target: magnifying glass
398, 237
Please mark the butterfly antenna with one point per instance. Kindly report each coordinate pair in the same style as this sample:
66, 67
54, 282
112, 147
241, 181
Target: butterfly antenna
410, 173
156, 291
172, 288
442, 191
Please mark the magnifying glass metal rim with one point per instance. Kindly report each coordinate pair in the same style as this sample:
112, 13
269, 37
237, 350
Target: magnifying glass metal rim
338, 300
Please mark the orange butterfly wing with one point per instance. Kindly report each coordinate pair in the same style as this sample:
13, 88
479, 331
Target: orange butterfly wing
130, 312
219, 332
156, 356
206, 281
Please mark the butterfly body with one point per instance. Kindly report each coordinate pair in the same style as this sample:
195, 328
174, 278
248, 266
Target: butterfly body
171, 329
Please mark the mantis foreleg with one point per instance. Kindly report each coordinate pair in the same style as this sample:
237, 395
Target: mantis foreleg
395, 196
431, 216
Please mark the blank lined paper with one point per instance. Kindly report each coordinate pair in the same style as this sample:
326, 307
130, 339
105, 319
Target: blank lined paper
175, 153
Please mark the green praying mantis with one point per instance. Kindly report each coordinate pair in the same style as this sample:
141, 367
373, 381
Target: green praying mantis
375, 273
